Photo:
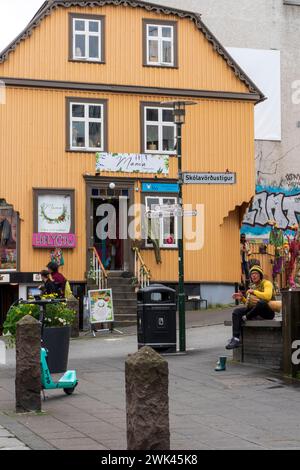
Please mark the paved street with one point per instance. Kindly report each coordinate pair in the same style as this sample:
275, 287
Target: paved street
242, 408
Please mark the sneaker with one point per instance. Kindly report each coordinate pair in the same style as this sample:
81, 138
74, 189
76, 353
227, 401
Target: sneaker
233, 343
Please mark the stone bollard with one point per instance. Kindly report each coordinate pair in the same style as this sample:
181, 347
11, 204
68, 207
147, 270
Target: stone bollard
147, 401
28, 372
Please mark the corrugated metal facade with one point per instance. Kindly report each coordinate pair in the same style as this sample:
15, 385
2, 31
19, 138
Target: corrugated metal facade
218, 135
216, 138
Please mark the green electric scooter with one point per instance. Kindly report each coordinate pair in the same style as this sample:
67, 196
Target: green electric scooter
68, 382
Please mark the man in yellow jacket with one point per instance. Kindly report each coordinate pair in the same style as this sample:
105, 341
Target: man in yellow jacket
256, 304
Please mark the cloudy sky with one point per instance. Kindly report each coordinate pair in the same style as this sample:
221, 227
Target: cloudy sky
14, 16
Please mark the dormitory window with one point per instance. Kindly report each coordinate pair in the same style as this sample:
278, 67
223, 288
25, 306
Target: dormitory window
86, 121
87, 38
159, 130
160, 44
162, 230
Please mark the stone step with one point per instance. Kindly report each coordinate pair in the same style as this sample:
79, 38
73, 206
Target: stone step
124, 295
122, 289
126, 303
119, 281
119, 274
124, 309
125, 320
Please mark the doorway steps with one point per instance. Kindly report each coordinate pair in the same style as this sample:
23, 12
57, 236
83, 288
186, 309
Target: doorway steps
124, 298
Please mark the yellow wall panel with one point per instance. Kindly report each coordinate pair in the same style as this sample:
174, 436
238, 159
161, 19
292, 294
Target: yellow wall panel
44, 55
217, 135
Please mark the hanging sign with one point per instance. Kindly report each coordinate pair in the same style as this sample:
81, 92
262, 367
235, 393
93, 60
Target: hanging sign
209, 178
54, 218
101, 306
132, 163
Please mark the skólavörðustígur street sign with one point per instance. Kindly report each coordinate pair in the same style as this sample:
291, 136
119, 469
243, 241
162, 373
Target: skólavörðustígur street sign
209, 178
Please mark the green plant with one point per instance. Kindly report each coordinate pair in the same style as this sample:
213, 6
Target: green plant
16, 314
57, 315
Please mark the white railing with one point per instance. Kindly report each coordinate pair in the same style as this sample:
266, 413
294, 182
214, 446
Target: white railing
97, 271
141, 272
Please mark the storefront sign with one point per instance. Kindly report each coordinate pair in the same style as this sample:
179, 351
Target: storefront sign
53, 240
132, 163
101, 306
4, 278
160, 188
209, 178
54, 218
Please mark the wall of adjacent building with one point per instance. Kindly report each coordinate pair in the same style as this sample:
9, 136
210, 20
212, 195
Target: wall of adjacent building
265, 24
218, 136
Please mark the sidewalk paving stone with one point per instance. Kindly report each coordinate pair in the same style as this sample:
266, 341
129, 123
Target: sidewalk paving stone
239, 408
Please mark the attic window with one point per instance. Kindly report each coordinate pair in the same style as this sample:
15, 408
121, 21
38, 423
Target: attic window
87, 38
160, 43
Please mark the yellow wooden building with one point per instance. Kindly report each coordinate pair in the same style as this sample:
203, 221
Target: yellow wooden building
88, 77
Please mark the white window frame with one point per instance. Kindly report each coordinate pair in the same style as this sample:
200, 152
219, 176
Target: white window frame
160, 123
87, 34
160, 38
161, 222
87, 120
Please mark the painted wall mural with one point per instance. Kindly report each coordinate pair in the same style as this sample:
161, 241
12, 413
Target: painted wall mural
281, 205
277, 195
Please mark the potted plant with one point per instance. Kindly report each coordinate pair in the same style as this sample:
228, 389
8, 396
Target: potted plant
56, 333
152, 136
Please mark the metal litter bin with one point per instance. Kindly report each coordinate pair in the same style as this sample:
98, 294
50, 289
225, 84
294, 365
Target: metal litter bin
156, 315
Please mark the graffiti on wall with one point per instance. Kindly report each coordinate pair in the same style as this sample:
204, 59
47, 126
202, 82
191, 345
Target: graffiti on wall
272, 204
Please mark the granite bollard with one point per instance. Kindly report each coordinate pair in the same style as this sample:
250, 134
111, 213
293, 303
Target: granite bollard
28, 372
147, 401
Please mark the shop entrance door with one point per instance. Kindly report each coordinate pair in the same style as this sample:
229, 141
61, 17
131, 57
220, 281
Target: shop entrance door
8, 295
106, 233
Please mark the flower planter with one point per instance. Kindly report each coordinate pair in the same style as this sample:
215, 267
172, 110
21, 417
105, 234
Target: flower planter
57, 341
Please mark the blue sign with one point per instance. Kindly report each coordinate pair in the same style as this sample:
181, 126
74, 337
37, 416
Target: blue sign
160, 188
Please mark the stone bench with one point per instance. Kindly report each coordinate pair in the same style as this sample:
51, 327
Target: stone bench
262, 343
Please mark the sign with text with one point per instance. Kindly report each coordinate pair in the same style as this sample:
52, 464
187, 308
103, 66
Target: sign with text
209, 178
4, 278
53, 240
132, 163
101, 306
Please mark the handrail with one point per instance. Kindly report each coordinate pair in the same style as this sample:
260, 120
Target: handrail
98, 273
142, 273
100, 262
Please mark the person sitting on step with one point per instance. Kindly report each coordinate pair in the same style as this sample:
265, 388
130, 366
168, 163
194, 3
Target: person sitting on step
256, 302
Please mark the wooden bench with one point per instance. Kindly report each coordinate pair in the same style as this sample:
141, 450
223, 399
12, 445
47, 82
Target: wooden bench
261, 343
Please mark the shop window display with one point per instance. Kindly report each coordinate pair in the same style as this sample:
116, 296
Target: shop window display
8, 239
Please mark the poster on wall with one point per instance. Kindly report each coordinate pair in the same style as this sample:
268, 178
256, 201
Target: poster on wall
101, 306
132, 163
8, 239
54, 219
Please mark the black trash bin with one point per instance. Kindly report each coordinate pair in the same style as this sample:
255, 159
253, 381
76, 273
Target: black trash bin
156, 317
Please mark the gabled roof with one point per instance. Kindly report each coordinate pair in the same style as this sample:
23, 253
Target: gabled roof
50, 5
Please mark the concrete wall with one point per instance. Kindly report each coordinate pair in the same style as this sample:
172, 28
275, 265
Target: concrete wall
265, 24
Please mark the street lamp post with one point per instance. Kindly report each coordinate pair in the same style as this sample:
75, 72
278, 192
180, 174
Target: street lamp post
179, 120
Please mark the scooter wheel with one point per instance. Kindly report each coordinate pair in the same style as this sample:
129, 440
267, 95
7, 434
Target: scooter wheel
69, 391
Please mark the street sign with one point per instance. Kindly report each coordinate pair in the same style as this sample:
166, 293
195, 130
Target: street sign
171, 213
209, 178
